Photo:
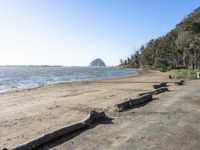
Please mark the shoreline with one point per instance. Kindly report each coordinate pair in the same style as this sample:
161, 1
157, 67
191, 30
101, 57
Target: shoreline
29, 113
28, 88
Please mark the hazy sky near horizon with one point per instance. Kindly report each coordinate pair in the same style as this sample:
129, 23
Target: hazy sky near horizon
74, 32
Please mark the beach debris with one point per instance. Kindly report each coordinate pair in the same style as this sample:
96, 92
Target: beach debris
129, 103
157, 91
52, 136
162, 84
179, 82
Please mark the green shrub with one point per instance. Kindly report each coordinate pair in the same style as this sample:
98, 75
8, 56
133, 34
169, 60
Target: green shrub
164, 69
183, 74
125, 66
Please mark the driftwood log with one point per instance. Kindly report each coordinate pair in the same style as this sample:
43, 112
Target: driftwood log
157, 91
51, 136
129, 103
179, 82
162, 84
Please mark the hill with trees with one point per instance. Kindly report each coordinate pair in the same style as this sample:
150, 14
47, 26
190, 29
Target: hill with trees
180, 48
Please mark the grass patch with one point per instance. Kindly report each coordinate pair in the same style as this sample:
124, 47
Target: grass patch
183, 74
125, 66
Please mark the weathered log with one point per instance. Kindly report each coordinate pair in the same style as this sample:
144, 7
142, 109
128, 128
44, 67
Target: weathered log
129, 103
157, 91
51, 136
162, 84
179, 82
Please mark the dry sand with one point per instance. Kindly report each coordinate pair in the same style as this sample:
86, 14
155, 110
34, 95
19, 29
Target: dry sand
27, 114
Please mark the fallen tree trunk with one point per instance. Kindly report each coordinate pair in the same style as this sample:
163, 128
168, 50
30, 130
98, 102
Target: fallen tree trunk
179, 82
157, 91
162, 84
51, 136
133, 102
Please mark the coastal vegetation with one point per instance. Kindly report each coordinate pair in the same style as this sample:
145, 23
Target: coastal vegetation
178, 49
183, 73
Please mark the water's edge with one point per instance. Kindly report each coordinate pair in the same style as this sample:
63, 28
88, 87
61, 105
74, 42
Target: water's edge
35, 86
14, 90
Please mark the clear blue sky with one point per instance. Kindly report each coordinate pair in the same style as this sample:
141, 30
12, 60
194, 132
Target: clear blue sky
74, 32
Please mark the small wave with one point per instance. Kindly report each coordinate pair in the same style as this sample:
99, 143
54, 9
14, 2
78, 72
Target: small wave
19, 78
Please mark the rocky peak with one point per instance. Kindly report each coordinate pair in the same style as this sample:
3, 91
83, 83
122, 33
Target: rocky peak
97, 62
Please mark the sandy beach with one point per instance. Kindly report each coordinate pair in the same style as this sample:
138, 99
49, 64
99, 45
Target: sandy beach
30, 113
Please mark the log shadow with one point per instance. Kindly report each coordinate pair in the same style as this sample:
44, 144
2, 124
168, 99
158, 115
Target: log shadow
68, 137
164, 92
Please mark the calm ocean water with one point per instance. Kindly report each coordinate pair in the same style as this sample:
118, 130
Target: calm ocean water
24, 77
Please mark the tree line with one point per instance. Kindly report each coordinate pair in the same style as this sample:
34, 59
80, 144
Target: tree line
180, 48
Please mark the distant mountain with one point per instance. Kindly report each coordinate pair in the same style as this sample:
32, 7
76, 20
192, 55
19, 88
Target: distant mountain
179, 48
97, 63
